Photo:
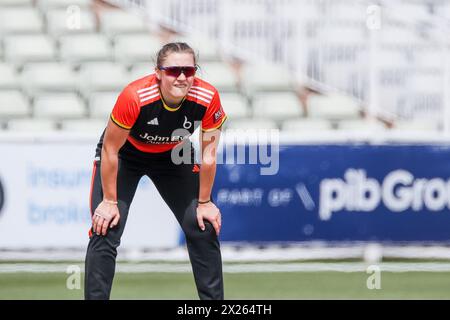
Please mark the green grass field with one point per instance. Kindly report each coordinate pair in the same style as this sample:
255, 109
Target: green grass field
289, 285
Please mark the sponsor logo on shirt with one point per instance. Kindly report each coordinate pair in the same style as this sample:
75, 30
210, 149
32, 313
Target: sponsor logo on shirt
218, 115
154, 122
156, 139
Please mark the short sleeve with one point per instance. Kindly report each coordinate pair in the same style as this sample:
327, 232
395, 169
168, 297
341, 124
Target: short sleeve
215, 115
126, 109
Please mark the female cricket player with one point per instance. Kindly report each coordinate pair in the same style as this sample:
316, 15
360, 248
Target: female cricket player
146, 134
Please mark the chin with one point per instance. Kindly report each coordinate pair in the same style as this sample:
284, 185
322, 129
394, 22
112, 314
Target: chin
179, 93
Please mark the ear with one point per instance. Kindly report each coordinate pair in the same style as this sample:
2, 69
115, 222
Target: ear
158, 73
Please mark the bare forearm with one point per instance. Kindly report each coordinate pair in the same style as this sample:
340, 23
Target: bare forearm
207, 175
109, 167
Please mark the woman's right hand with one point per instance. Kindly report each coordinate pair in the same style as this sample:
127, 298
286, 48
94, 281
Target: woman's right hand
106, 214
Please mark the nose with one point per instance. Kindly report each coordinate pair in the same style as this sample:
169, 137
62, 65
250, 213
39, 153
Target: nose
181, 76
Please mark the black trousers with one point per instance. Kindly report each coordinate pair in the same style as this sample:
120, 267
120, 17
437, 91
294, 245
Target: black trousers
178, 186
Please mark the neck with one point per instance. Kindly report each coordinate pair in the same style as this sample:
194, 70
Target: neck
171, 102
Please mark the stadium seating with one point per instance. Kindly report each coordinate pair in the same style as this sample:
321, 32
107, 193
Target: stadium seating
16, 3
83, 125
415, 125
45, 5
13, 104
114, 22
219, 74
20, 20
80, 48
32, 125
237, 106
58, 106
9, 78
140, 70
360, 125
205, 49
306, 125
48, 77
29, 48
61, 22
277, 106
252, 124
101, 104
44, 50
102, 76
135, 48
333, 107
265, 77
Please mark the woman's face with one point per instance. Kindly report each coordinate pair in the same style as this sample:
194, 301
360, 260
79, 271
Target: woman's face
173, 88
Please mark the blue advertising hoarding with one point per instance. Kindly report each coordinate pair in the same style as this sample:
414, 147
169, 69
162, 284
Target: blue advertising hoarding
339, 193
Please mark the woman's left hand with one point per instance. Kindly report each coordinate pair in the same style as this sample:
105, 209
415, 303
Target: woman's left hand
210, 212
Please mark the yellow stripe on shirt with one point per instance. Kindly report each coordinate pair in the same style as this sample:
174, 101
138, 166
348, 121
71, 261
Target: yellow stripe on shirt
215, 128
118, 123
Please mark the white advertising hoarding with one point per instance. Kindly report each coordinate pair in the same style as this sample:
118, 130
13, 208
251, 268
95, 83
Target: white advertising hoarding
45, 202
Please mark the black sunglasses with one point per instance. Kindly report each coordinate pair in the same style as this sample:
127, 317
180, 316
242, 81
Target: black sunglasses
175, 71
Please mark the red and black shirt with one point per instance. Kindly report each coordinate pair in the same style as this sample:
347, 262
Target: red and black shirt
154, 126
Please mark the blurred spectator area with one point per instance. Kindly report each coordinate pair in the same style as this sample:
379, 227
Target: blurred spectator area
64, 62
